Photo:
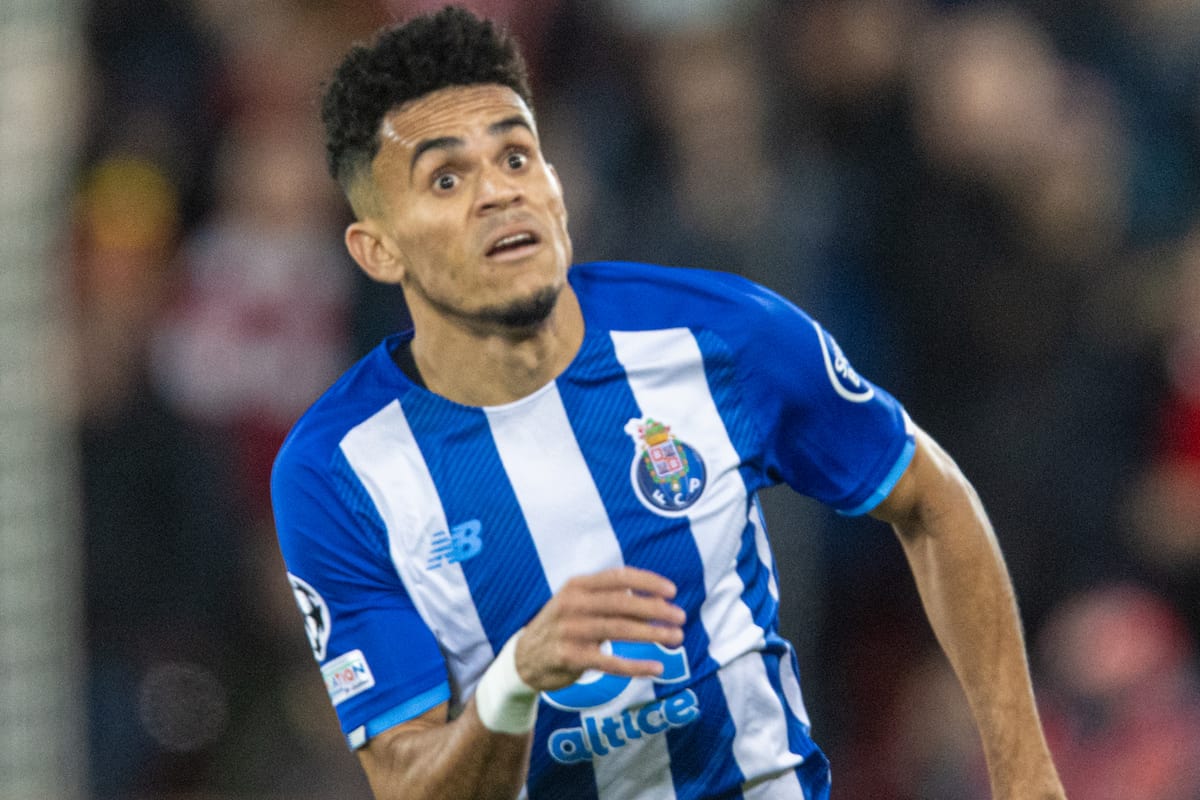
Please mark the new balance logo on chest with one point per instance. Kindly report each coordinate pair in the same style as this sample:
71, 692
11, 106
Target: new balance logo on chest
460, 543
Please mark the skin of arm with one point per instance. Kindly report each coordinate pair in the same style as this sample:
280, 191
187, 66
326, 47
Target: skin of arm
968, 596
432, 756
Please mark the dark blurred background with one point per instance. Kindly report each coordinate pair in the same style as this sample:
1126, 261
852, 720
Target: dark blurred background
995, 207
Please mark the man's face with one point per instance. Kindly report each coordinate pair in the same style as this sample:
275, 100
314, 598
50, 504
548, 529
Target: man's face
474, 212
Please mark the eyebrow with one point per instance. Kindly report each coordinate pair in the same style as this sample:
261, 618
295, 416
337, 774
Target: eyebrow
508, 123
440, 143
451, 142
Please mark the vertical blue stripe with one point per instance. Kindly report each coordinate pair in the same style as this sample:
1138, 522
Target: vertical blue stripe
599, 403
505, 580
743, 430
703, 751
762, 523
745, 434
756, 578
549, 780
814, 772
798, 739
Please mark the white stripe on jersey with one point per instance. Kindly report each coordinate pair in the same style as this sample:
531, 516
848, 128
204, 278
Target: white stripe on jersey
666, 373
791, 691
384, 454
532, 436
764, 547
529, 435
665, 370
761, 743
781, 787
642, 767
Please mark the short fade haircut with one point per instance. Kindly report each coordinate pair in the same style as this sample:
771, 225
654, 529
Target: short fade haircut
452, 47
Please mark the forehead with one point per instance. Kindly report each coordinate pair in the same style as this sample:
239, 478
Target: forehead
456, 111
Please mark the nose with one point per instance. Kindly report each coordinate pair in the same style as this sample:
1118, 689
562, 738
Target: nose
498, 190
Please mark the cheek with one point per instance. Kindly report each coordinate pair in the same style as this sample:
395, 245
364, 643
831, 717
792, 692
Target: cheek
436, 249
551, 200
559, 210
561, 213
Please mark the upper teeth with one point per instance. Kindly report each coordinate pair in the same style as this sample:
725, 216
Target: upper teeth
516, 238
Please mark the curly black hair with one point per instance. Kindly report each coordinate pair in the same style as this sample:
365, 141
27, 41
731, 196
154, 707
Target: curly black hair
449, 48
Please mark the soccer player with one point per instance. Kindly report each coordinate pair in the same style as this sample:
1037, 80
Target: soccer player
525, 536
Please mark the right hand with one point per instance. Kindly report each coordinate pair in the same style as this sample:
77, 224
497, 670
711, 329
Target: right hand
623, 604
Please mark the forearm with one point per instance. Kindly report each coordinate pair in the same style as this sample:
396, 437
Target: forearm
968, 597
459, 759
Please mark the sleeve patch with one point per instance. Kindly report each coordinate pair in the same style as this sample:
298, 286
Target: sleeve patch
316, 615
846, 382
346, 676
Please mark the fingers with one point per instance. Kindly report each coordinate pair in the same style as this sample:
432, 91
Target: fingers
631, 579
594, 630
567, 636
627, 667
616, 606
624, 592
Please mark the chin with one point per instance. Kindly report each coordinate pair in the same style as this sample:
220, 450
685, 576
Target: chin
526, 313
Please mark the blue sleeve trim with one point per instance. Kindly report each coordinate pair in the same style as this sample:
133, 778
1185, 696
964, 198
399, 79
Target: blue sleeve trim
887, 484
402, 713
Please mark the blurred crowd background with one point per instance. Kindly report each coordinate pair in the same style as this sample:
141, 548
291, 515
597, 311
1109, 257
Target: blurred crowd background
995, 207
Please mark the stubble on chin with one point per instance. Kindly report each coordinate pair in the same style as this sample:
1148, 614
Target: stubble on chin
524, 314
517, 316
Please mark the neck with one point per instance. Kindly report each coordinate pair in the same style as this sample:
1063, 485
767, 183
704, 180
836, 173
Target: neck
488, 367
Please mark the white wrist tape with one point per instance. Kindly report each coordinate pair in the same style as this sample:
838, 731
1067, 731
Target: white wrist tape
505, 703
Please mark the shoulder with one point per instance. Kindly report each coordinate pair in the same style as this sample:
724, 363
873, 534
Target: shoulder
365, 389
623, 295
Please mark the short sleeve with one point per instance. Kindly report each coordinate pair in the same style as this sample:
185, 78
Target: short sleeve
380, 662
827, 432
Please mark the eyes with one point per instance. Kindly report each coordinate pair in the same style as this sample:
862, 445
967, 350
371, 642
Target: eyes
448, 178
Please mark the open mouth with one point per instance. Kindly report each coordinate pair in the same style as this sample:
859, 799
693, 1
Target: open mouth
512, 243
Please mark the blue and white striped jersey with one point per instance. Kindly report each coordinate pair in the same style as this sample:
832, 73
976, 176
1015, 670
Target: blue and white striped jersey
420, 534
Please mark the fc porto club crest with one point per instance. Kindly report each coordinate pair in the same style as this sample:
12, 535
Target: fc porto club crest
667, 474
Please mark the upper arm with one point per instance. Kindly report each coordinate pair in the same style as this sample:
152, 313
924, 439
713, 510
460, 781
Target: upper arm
355, 606
930, 481
828, 432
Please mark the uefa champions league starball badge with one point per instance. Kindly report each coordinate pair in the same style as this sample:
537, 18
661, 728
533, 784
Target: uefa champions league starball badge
667, 474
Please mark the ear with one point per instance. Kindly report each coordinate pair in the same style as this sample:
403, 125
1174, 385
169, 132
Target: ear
374, 251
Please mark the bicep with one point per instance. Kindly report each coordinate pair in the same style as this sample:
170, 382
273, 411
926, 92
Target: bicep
930, 480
